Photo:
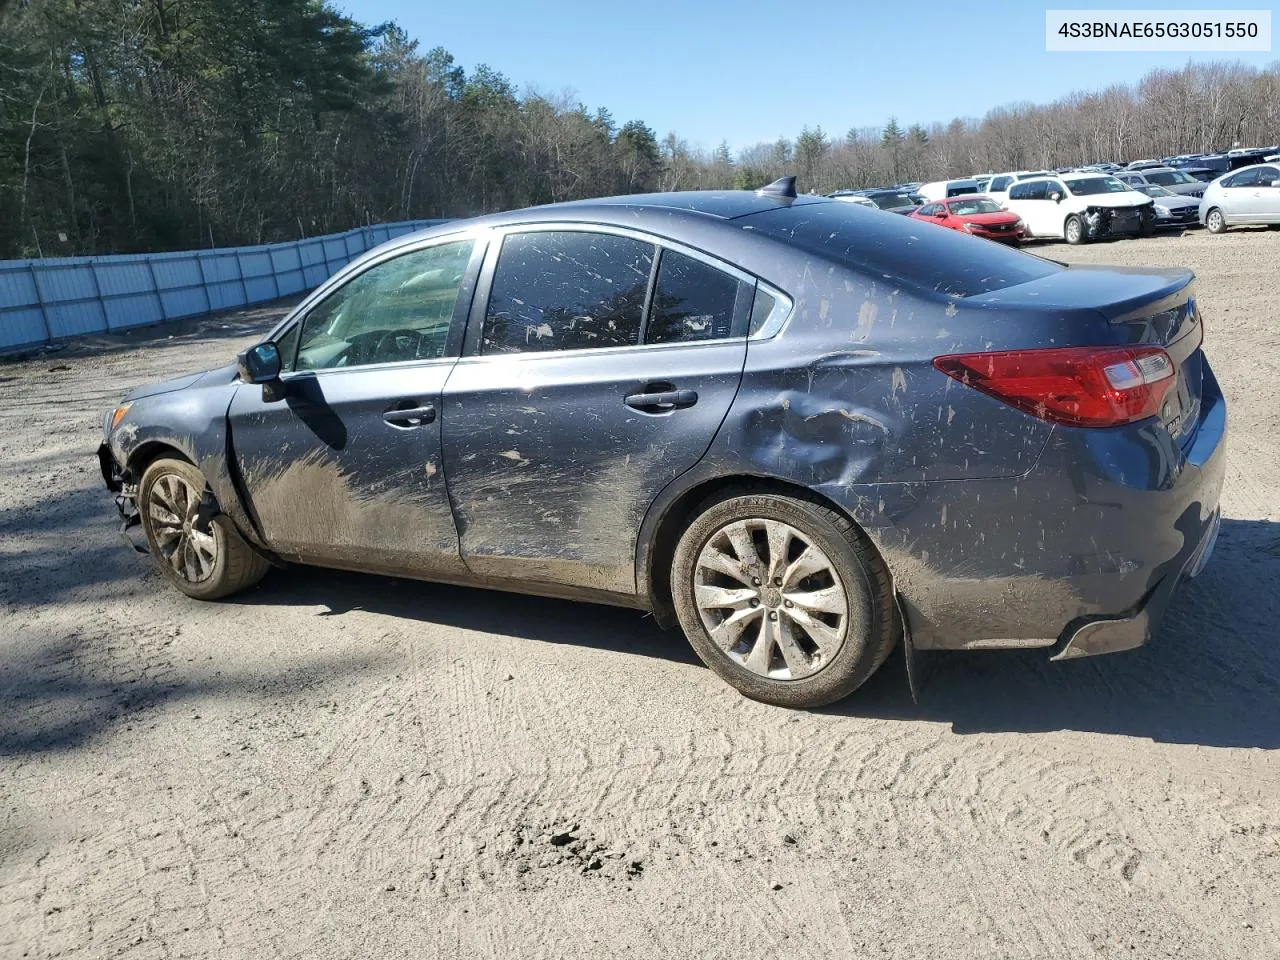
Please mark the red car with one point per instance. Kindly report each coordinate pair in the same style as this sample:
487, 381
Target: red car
975, 214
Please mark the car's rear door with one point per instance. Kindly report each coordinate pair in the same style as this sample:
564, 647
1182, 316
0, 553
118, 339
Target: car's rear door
340, 460
1237, 197
1029, 199
598, 368
1266, 196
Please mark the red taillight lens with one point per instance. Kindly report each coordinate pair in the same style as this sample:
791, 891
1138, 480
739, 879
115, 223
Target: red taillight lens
1076, 386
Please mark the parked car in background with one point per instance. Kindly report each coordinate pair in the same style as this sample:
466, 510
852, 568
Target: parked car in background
974, 214
1173, 210
558, 401
1081, 207
1203, 174
895, 201
1144, 164
1247, 196
942, 189
998, 188
1175, 181
851, 196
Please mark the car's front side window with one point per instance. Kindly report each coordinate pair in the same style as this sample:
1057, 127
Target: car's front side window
396, 311
567, 290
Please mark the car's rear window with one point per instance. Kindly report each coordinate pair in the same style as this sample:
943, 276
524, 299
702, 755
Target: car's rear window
900, 249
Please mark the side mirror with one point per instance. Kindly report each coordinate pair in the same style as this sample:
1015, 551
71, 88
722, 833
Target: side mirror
942, 214
1056, 197
260, 363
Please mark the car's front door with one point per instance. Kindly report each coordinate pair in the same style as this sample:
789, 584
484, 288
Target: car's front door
598, 368
340, 459
1237, 196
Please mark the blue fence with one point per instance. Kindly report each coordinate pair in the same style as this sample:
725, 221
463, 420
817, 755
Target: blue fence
49, 299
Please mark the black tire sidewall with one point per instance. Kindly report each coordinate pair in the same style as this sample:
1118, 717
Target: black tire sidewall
1222, 221
865, 644
1066, 230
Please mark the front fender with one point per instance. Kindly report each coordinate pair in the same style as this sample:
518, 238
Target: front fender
193, 423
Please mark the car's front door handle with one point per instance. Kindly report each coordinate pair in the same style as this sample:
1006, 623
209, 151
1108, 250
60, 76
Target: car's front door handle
411, 417
662, 401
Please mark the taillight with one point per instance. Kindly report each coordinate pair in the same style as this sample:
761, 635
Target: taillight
1076, 386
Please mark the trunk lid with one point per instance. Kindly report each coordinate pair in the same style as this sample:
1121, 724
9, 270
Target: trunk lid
1144, 306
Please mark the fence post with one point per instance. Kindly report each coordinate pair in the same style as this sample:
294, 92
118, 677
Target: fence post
44, 310
204, 282
244, 287
97, 290
155, 288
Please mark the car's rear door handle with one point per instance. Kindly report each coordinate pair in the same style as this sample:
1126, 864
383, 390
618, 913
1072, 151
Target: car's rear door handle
661, 401
411, 416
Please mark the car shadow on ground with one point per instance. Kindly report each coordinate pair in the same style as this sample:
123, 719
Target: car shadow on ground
1210, 677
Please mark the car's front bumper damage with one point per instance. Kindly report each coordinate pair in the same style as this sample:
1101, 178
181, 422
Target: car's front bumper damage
1103, 222
125, 489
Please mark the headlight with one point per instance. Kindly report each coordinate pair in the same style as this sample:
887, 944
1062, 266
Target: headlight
973, 227
1163, 212
116, 416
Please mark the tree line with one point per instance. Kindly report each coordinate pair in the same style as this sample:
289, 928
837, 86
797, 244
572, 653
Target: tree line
154, 125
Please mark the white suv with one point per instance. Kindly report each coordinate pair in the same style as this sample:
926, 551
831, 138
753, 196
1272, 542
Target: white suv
998, 188
1080, 207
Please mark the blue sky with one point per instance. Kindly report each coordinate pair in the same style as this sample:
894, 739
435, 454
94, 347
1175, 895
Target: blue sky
748, 70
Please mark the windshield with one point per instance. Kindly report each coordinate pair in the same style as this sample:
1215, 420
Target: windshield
1166, 177
890, 199
1089, 186
1151, 190
965, 208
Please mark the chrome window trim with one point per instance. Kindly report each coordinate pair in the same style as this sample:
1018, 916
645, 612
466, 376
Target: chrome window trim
391, 365
776, 322
526, 355
500, 235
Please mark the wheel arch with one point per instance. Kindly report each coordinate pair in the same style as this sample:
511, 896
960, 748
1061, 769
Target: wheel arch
148, 452
670, 515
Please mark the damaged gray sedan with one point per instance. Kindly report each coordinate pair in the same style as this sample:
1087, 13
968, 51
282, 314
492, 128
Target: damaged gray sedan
801, 430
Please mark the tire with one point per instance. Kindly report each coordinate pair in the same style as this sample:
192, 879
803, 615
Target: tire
1215, 222
848, 602
1073, 231
204, 563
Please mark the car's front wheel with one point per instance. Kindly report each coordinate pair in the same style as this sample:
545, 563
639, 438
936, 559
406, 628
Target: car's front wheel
1215, 221
1073, 230
783, 598
197, 548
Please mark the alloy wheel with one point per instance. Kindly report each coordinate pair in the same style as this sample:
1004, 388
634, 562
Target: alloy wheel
771, 599
173, 508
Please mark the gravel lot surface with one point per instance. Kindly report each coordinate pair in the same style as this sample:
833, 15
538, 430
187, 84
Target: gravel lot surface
341, 766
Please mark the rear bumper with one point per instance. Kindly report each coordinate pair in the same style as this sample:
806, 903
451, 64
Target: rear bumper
1081, 556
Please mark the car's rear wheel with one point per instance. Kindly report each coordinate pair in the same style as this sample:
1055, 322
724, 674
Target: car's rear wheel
1215, 222
784, 599
1073, 230
197, 548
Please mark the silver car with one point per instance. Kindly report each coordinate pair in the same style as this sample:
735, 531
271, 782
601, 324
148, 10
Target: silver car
1172, 211
1245, 196
1175, 181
